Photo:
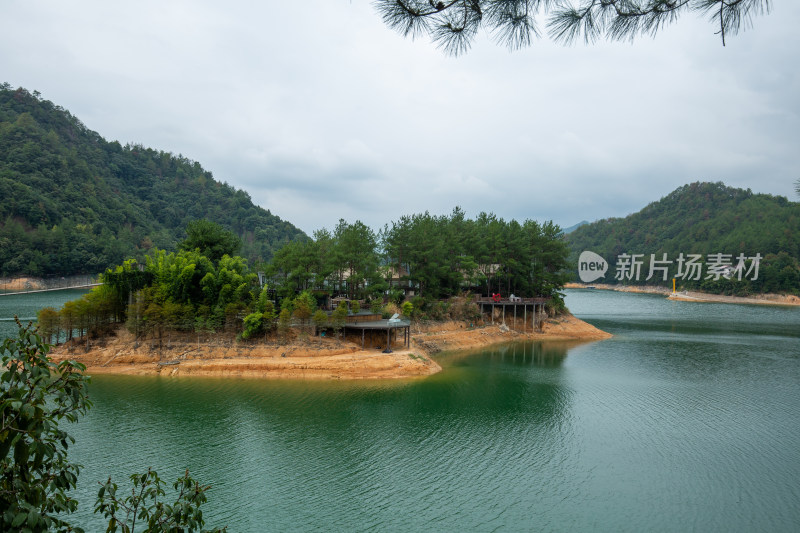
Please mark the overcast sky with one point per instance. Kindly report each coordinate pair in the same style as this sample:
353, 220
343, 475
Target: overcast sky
321, 112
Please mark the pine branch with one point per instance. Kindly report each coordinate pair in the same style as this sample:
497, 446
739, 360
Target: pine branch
453, 25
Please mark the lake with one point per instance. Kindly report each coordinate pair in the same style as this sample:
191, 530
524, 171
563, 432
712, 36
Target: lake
687, 419
25, 306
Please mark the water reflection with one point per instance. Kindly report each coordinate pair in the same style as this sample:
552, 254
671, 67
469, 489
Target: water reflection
535, 354
342, 449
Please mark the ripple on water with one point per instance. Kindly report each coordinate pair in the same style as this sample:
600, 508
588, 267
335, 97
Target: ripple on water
665, 427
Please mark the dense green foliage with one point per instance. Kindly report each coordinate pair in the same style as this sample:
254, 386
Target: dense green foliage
210, 239
74, 203
441, 256
36, 395
422, 256
704, 219
435, 257
345, 261
181, 291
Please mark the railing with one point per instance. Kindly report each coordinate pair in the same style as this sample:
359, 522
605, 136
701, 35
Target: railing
355, 319
509, 300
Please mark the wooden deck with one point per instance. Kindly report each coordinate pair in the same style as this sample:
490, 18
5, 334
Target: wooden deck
536, 306
509, 301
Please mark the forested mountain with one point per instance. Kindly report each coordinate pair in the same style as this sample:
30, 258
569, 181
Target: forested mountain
704, 219
73, 203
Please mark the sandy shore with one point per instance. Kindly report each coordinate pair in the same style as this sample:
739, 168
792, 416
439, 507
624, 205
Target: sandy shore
696, 296
308, 358
761, 299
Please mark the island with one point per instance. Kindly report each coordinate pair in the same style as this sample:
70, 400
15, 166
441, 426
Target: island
310, 357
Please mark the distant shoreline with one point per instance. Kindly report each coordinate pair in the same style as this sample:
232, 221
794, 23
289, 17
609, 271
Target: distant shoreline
28, 285
694, 296
316, 358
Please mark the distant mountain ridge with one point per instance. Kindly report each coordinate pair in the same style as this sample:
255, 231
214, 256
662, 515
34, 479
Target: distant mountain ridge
705, 218
74, 203
570, 229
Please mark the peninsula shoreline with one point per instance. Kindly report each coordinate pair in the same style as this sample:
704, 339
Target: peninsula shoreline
312, 358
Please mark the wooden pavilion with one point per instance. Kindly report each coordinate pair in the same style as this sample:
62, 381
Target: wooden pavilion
390, 326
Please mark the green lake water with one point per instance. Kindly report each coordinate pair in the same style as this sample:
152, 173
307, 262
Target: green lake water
25, 307
688, 419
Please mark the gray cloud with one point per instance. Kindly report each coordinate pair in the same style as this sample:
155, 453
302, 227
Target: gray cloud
320, 112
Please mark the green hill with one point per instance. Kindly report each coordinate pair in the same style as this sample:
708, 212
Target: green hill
74, 203
704, 219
